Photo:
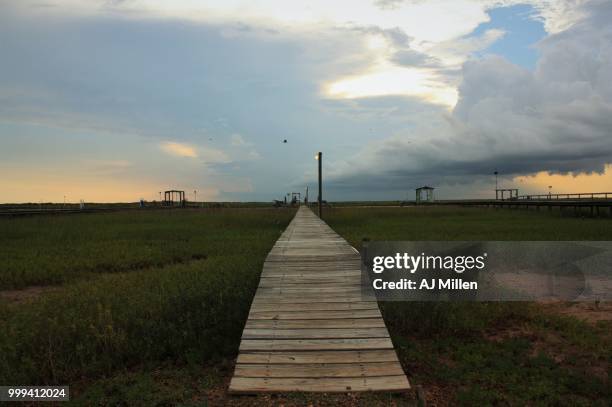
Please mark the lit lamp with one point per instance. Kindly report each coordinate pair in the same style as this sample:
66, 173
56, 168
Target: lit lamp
319, 158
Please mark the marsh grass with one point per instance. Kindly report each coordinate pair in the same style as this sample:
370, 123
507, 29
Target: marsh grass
490, 353
173, 289
188, 312
43, 250
455, 223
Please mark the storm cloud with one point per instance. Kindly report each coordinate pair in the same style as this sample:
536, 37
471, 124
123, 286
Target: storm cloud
202, 95
557, 118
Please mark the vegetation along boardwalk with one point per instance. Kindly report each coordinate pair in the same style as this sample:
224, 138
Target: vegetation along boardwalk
309, 329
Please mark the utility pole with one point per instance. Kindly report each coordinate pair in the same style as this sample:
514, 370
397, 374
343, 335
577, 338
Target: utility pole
320, 160
496, 188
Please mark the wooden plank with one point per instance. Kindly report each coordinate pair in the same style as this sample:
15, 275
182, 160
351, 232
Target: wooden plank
279, 299
309, 260
293, 288
324, 306
350, 314
315, 290
307, 266
310, 297
311, 265
311, 279
314, 273
286, 285
315, 323
250, 385
362, 356
314, 344
314, 370
331, 276
314, 333
312, 288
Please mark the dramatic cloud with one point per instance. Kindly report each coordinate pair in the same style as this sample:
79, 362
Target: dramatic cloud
556, 119
202, 95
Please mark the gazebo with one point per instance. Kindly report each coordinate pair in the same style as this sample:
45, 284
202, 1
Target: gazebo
174, 198
500, 194
424, 194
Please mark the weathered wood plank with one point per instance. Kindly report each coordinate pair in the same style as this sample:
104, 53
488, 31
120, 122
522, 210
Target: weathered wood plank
314, 370
331, 276
351, 314
315, 323
314, 344
323, 306
312, 296
279, 299
286, 285
314, 333
361, 356
249, 385
315, 290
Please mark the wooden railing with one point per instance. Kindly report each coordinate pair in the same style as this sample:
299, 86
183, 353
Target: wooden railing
582, 195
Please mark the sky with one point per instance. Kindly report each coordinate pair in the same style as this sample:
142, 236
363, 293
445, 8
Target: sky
116, 100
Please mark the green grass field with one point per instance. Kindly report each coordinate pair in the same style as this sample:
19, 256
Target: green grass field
490, 353
453, 223
42, 250
148, 308
131, 289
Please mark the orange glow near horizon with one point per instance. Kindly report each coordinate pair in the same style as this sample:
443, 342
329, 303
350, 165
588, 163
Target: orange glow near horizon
40, 187
45, 188
565, 184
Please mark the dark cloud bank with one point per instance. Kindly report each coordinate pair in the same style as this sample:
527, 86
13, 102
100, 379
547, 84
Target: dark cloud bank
557, 118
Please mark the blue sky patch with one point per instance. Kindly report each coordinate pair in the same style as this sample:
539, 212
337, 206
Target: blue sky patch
522, 32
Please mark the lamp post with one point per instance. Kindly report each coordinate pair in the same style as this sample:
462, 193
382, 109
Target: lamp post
550, 192
319, 158
195, 196
496, 188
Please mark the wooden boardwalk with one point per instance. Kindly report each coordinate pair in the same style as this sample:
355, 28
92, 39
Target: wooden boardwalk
309, 328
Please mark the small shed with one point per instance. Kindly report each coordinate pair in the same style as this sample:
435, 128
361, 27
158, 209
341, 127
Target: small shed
424, 194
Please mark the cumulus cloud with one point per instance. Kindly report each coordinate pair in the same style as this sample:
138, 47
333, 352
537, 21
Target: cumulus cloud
557, 118
455, 52
429, 40
411, 57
